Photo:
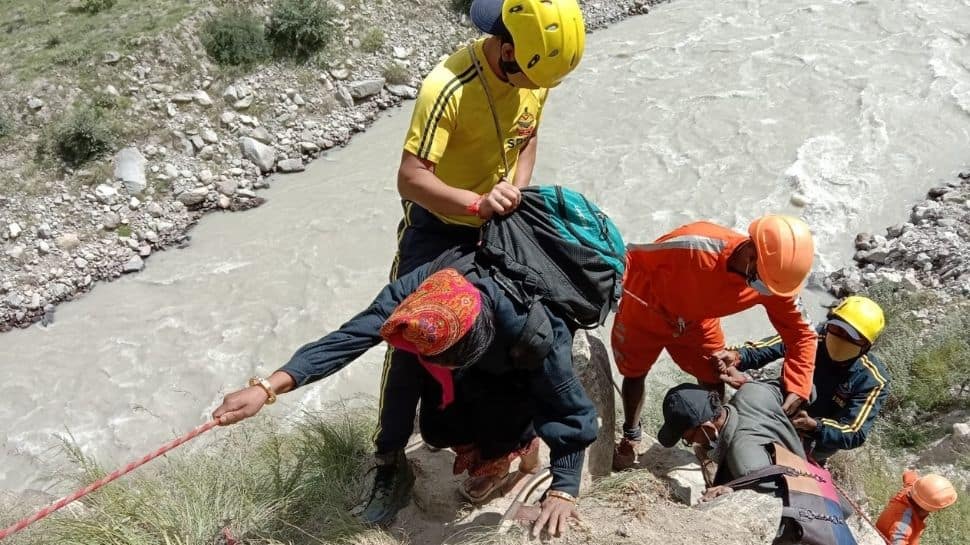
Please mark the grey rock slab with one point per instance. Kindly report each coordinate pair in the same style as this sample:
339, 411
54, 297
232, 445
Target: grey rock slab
366, 88
258, 153
67, 241
291, 165
202, 98
134, 264
402, 91
193, 197
130, 169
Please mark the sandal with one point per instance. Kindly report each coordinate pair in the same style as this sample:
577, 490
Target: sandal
478, 490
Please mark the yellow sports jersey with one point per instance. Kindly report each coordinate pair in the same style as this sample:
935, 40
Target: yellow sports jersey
452, 125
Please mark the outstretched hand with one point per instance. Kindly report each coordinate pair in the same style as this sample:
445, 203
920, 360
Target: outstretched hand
240, 405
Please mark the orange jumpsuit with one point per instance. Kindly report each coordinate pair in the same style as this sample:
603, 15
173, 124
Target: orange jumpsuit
900, 522
674, 293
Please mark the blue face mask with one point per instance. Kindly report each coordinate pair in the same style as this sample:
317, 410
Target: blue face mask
714, 443
759, 286
756, 283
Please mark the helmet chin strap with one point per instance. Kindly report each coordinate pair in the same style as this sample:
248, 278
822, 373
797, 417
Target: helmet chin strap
506, 67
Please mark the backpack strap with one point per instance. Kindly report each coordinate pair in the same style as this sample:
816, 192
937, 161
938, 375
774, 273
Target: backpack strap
461, 258
767, 473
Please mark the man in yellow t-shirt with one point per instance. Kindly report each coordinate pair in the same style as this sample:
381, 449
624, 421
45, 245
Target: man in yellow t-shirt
470, 147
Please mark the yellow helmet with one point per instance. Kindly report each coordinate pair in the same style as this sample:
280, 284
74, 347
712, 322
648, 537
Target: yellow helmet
549, 35
863, 314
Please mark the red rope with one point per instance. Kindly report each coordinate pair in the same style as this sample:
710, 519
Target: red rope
854, 505
23, 523
860, 511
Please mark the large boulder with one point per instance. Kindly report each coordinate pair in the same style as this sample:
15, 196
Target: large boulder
761, 514
950, 449
365, 88
258, 153
130, 169
592, 363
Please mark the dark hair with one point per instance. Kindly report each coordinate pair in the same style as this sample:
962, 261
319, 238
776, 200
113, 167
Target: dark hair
470, 348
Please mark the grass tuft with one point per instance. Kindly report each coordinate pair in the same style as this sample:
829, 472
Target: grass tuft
265, 485
372, 40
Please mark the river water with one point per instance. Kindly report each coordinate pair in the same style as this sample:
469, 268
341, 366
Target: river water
842, 112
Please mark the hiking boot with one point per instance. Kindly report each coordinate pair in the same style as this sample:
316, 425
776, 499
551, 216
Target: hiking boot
625, 454
393, 482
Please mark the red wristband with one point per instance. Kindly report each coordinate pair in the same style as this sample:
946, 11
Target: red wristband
473, 208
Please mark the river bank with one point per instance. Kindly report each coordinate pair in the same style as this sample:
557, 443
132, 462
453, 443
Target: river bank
931, 250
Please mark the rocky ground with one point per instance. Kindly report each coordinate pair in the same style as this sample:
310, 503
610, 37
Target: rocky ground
931, 250
929, 254
198, 139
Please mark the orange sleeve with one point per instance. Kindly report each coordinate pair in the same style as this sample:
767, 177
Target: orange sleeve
897, 525
801, 342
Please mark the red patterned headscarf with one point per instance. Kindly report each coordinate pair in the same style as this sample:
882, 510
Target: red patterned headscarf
433, 318
442, 310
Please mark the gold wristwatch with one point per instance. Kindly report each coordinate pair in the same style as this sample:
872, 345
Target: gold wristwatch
265, 385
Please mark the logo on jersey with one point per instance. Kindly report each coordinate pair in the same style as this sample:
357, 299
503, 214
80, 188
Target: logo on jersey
524, 128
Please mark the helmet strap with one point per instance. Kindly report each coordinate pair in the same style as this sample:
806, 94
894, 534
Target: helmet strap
509, 67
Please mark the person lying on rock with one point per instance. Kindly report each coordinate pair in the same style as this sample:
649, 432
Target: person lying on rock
904, 518
476, 397
851, 384
676, 290
738, 435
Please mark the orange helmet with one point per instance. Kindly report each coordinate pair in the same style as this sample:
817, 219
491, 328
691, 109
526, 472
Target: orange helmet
933, 492
785, 252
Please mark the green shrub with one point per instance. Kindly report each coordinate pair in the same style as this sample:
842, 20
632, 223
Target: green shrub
372, 40
6, 126
394, 73
84, 135
96, 6
71, 56
235, 37
300, 28
930, 366
461, 6
104, 101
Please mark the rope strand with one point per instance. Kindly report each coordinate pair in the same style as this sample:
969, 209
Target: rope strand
59, 504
